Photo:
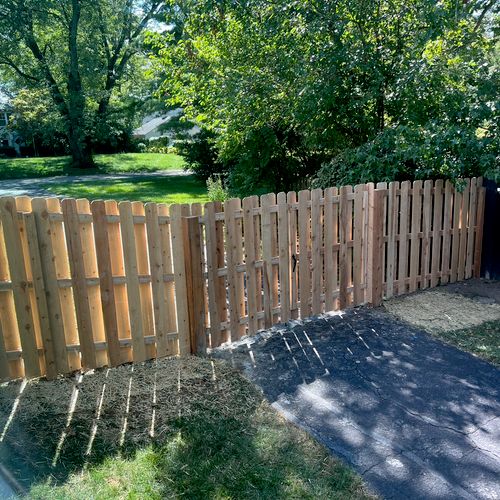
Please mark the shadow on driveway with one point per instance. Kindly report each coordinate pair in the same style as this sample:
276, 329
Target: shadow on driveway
416, 417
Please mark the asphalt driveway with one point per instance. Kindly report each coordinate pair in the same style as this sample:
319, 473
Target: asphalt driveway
416, 417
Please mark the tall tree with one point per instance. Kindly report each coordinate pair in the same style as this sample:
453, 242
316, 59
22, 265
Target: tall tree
78, 51
287, 86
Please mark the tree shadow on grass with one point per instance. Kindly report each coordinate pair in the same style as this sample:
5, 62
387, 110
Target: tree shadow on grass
208, 431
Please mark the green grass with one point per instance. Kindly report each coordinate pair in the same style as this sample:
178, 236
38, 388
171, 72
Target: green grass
18, 168
214, 438
169, 189
482, 340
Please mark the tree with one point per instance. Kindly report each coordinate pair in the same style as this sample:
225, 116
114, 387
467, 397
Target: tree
288, 86
78, 52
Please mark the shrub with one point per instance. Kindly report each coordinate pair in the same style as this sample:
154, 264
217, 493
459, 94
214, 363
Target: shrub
200, 155
408, 153
216, 190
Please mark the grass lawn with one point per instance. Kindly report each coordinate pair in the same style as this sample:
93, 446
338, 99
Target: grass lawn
172, 428
170, 189
482, 340
17, 168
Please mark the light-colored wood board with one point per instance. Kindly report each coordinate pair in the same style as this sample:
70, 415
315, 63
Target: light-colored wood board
464, 221
157, 282
437, 225
176, 214
145, 291
266, 201
403, 236
479, 229
344, 237
358, 292
284, 257
24, 311
294, 281
329, 252
251, 279
132, 276
232, 254
471, 230
41, 296
447, 223
316, 246
169, 286
106, 284
455, 249
426, 230
416, 214
47, 261
79, 277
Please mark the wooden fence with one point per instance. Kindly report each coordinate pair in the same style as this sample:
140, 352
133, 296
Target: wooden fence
84, 285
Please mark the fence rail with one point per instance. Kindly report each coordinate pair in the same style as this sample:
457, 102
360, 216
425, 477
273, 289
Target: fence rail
84, 285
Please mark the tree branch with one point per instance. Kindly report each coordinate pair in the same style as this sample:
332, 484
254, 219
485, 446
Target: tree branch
8, 62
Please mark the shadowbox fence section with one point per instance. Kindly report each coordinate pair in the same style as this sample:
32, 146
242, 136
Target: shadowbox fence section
84, 285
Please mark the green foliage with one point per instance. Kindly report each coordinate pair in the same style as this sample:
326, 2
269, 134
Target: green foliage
285, 87
216, 190
403, 153
200, 155
83, 61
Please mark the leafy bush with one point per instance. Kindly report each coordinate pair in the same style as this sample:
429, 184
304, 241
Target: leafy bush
216, 190
200, 155
159, 145
407, 153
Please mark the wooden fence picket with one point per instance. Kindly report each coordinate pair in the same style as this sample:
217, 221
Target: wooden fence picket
293, 228
329, 254
249, 204
426, 234
108, 301
304, 252
316, 245
447, 215
436, 231
18, 277
464, 221
403, 237
284, 257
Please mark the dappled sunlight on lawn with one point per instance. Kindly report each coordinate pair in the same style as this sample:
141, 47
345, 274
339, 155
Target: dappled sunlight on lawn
171, 189
161, 429
25, 168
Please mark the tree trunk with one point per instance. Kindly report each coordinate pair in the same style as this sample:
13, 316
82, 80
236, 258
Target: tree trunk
79, 146
81, 154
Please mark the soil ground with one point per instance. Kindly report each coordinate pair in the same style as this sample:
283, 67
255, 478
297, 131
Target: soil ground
451, 307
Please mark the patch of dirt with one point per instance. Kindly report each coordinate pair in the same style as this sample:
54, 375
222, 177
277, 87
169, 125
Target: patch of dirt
449, 308
51, 428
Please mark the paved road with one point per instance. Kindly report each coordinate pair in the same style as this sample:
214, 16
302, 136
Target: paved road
416, 417
38, 186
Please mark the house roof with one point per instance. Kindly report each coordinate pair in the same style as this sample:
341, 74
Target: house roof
152, 122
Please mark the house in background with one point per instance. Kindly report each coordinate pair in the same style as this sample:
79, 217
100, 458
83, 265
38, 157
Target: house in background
156, 126
10, 140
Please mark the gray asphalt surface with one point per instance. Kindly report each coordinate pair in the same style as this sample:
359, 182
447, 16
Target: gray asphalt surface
415, 417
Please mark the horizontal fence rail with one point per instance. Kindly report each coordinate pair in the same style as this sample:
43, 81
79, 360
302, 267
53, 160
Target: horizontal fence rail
85, 285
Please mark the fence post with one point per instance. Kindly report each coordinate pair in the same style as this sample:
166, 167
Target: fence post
194, 280
377, 241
